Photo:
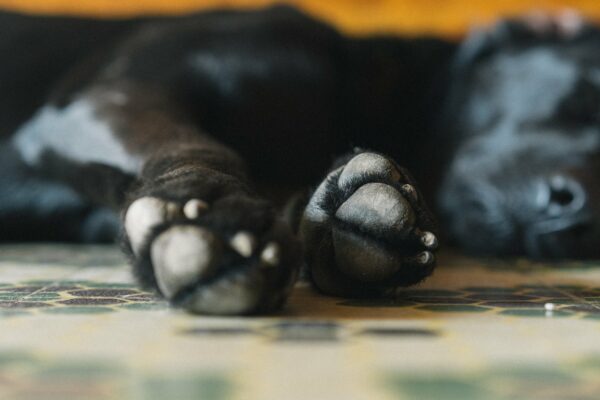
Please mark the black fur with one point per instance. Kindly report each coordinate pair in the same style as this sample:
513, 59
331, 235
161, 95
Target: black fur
214, 106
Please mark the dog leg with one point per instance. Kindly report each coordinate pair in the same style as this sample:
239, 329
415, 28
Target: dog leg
366, 230
194, 228
33, 208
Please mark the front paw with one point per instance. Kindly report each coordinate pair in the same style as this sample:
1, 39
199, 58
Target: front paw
366, 230
229, 257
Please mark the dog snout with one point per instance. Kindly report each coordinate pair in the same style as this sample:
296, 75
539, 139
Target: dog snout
565, 225
549, 217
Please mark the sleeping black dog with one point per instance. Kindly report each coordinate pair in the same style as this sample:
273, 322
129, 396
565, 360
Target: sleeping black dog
182, 124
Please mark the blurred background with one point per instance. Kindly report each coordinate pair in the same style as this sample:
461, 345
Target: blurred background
443, 17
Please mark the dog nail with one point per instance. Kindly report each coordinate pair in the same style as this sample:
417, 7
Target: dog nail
270, 256
243, 243
429, 240
425, 258
410, 190
194, 208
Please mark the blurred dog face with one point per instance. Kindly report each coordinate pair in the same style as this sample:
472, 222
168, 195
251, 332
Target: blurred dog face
525, 175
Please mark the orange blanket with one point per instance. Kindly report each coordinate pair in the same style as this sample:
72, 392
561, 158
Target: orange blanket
446, 17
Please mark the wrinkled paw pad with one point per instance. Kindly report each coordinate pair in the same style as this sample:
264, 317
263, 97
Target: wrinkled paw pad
378, 221
366, 230
203, 270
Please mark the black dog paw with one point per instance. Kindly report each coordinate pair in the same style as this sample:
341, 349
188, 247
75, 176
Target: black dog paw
229, 257
366, 230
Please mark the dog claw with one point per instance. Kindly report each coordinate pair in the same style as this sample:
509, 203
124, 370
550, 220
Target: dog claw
183, 255
409, 190
244, 243
425, 258
429, 240
271, 255
194, 208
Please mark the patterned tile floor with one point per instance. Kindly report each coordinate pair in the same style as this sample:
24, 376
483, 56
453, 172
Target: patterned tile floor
74, 326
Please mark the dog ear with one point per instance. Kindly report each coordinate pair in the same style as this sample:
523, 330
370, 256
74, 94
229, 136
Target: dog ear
483, 41
525, 30
566, 24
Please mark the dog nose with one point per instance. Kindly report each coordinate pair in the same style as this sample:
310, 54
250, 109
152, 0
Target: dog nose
563, 227
560, 195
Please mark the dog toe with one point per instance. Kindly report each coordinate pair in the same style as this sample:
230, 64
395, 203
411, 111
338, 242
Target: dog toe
141, 216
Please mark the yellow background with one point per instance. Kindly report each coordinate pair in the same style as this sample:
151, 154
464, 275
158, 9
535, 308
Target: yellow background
448, 17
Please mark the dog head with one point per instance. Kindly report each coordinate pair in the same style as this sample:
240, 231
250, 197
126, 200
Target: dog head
524, 117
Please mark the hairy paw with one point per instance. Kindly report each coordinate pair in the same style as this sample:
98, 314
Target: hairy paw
366, 230
229, 257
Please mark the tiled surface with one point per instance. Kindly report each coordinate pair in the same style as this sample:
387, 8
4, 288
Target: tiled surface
73, 326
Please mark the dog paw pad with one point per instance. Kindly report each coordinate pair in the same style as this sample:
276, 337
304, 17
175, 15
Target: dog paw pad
183, 255
368, 165
378, 208
271, 255
243, 243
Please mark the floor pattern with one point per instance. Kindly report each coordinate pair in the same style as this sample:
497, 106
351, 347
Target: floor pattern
75, 326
